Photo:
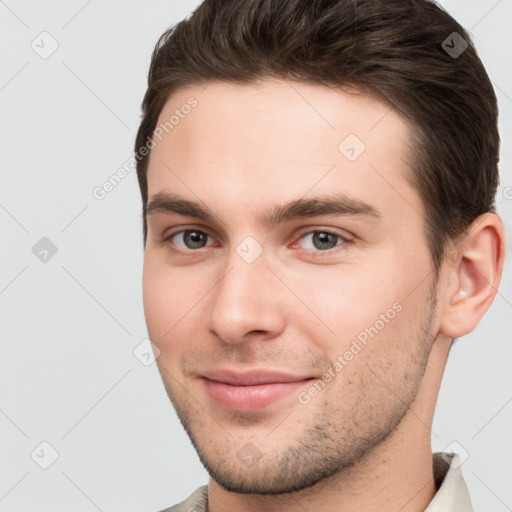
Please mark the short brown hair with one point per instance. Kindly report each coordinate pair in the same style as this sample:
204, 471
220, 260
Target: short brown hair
397, 50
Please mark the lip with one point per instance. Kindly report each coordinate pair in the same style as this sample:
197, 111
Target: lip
250, 391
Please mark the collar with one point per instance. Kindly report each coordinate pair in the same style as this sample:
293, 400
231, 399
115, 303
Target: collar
452, 492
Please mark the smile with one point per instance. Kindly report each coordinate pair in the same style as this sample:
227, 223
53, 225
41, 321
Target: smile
251, 391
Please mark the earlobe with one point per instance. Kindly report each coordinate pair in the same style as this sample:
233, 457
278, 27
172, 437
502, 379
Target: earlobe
475, 274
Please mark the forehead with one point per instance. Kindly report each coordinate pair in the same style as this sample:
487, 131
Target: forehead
278, 139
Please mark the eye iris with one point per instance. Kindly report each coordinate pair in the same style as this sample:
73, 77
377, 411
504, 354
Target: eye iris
323, 240
194, 239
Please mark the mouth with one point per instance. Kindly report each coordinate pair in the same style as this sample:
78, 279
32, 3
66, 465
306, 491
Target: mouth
251, 391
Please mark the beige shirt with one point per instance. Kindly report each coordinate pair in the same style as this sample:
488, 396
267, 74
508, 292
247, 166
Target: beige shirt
452, 493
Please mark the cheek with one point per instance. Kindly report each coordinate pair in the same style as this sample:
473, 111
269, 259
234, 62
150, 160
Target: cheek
362, 303
171, 297
160, 293
346, 295
156, 295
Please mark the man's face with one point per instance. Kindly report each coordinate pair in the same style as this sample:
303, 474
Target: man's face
293, 332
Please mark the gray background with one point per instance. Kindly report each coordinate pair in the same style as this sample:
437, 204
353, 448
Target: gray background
69, 325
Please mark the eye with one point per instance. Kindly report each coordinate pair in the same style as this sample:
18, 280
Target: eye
188, 239
322, 240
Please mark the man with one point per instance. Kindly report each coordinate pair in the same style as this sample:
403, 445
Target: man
318, 184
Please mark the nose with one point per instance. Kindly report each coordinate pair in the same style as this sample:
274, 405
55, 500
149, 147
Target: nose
247, 302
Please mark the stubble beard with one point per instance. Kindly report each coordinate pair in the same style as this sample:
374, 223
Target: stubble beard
340, 434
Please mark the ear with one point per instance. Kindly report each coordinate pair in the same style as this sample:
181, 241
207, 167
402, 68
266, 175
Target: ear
474, 269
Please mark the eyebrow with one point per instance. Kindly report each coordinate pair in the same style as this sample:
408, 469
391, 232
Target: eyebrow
328, 204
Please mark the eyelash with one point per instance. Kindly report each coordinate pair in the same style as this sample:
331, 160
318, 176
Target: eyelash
341, 246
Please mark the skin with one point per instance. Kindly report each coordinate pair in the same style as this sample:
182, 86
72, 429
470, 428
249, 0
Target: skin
363, 441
